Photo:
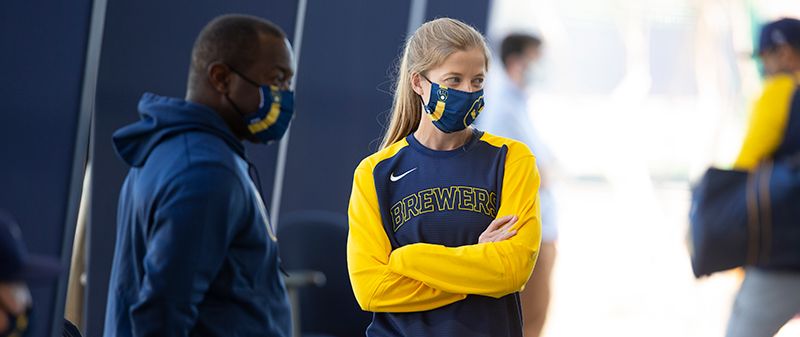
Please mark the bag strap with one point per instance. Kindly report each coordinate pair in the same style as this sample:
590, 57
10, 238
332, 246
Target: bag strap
751, 193
759, 213
766, 210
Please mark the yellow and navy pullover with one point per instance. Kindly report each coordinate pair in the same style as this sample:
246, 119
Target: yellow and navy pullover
774, 127
412, 252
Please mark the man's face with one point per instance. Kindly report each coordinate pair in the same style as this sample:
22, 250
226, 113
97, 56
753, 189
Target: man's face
531, 56
782, 59
772, 61
275, 67
15, 299
527, 65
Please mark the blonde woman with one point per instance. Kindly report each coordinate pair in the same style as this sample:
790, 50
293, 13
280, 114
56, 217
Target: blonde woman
444, 219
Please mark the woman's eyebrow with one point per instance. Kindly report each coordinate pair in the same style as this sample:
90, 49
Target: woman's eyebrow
453, 73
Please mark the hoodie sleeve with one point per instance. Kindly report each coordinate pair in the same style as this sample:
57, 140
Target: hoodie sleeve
187, 241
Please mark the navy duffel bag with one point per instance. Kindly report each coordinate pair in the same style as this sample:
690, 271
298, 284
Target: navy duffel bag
746, 219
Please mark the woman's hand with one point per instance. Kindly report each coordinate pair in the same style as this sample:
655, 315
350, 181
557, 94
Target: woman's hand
496, 230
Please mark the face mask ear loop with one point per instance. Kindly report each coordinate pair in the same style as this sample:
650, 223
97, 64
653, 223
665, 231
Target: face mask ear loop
242, 76
426, 78
260, 90
421, 100
234, 105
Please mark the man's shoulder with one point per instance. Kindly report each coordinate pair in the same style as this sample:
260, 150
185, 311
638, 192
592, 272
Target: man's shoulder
195, 148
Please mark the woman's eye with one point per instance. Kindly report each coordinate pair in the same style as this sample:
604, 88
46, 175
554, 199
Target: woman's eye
453, 80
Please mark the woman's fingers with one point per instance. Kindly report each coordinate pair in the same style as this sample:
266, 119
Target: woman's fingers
497, 223
507, 223
511, 221
496, 230
506, 236
500, 222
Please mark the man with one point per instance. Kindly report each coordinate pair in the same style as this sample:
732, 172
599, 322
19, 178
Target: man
507, 116
17, 269
195, 254
769, 298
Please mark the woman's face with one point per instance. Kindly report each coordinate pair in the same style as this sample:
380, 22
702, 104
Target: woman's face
462, 70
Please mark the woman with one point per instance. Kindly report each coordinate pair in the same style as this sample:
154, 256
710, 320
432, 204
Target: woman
420, 254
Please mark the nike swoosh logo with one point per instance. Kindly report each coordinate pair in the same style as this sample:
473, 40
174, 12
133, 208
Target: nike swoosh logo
393, 178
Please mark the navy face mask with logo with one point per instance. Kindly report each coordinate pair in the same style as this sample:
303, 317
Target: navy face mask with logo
453, 110
272, 118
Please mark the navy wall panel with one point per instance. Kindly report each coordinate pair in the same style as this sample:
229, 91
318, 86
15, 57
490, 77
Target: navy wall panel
473, 12
43, 50
343, 97
343, 92
146, 47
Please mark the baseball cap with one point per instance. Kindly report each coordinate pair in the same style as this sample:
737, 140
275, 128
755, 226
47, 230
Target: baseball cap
15, 262
774, 34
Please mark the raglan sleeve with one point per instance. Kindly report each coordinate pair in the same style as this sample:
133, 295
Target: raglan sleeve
368, 248
186, 247
767, 124
491, 269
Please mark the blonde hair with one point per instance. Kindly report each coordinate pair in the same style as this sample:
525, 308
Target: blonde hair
426, 49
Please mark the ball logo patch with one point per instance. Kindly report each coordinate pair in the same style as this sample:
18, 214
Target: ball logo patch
442, 94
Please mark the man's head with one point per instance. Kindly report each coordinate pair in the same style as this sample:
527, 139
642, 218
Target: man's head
779, 46
230, 48
16, 268
519, 52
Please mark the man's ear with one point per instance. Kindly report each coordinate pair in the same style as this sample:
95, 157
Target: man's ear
220, 75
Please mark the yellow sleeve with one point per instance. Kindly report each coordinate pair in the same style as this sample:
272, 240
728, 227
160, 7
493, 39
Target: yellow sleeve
491, 269
375, 286
767, 123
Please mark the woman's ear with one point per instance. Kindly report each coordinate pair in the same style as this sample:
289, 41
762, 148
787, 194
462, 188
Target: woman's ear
415, 83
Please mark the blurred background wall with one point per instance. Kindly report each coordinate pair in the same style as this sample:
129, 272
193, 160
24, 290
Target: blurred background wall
637, 98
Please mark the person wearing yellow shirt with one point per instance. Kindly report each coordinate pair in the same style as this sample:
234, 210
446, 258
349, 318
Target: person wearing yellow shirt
445, 224
768, 298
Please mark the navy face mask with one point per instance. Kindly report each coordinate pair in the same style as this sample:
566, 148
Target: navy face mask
272, 118
453, 110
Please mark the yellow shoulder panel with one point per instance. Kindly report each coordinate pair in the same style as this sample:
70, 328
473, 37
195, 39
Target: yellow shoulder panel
767, 123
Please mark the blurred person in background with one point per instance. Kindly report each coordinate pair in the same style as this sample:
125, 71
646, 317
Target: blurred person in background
444, 219
17, 269
769, 298
507, 116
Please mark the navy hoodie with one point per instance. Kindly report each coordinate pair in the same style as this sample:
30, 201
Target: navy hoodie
195, 255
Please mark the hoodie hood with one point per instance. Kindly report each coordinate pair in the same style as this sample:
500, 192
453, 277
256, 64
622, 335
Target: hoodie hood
164, 117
